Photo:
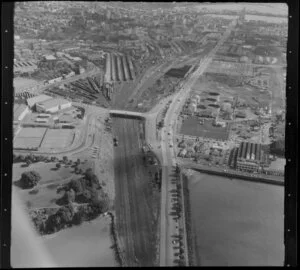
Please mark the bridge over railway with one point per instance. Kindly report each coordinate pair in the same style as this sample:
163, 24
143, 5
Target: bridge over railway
127, 114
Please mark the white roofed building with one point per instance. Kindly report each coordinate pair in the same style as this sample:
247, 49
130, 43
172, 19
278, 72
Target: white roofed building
53, 105
32, 101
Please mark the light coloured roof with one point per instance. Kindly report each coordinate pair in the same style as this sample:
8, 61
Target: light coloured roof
50, 57
47, 104
37, 99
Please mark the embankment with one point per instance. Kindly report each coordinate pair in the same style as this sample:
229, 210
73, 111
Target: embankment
188, 223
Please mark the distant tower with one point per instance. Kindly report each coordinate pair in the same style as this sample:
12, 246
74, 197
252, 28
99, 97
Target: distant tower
242, 15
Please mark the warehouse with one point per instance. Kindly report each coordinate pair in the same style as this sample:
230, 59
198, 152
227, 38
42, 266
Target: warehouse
20, 110
249, 156
37, 99
53, 105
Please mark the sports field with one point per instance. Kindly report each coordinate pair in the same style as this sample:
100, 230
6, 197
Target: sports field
58, 138
29, 138
192, 127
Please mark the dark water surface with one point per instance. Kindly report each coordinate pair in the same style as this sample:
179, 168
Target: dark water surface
237, 223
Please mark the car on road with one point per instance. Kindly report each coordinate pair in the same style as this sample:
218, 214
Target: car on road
175, 242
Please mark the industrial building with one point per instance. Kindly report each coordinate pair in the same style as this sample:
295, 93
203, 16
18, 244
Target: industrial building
52, 105
20, 110
249, 156
37, 99
25, 67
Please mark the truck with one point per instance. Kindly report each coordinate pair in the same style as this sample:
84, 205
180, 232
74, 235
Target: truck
116, 142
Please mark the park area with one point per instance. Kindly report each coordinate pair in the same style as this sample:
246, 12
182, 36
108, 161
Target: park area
192, 127
51, 178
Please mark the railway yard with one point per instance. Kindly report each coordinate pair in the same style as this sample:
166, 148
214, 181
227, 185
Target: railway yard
138, 203
207, 103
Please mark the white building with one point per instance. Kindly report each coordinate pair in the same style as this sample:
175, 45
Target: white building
37, 99
58, 79
53, 105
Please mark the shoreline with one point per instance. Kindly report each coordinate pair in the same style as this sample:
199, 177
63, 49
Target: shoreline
191, 239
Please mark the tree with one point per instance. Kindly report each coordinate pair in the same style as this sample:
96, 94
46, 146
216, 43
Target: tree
89, 174
30, 179
77, 218
65, 159
75, 184
58, 165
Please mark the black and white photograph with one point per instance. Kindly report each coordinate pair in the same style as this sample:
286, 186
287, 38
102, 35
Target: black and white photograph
148, 134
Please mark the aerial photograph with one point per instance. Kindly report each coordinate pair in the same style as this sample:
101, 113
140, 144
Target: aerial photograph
148, 134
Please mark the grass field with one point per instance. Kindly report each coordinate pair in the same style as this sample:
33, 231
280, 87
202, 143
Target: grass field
29, 138
137, 207
58, 138
192, 127
50, 179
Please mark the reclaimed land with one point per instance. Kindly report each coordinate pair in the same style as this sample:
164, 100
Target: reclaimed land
136, 203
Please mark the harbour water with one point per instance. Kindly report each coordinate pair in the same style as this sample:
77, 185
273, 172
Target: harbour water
236, 223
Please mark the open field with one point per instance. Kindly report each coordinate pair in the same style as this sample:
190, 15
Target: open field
29, 138
88, 245
58, 138
192, 127
32, 132
20, 84
136, 204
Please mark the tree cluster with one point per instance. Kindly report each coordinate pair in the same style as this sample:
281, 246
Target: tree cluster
28, 159
29, 179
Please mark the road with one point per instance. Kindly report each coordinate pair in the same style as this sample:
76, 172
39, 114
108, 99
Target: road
168, 225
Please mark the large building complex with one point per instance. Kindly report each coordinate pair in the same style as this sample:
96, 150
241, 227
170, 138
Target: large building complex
249, 156
37, 99
52, 105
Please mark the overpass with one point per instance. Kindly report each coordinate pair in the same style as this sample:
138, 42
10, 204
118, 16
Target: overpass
126, 114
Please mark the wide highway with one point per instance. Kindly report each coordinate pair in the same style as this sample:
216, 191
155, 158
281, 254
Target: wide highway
169, 227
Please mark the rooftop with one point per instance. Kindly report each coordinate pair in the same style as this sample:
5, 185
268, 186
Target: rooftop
47, 104
37, 99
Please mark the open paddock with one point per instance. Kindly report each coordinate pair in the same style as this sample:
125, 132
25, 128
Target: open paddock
58, 138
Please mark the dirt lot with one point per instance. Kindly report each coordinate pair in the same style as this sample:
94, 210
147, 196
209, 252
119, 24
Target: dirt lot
137, 207
192, 127
20, 84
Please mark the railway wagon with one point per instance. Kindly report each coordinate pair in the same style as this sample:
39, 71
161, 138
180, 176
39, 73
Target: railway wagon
131, 67
125, 68
113, 67
107, 77
120, 69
